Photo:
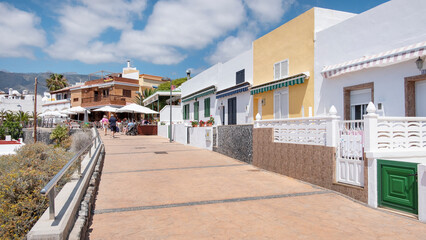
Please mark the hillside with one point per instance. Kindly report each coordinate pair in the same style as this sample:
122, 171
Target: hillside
25, 81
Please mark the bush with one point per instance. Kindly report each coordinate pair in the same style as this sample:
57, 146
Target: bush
80, 140
21, 178
61, 136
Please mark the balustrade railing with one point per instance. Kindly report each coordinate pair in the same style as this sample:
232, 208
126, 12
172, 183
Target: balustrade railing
401, 133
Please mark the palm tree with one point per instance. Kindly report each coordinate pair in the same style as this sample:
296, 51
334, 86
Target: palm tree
23, 117
2, 116
56, 82
141, 96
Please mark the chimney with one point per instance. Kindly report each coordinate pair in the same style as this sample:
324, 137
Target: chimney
188, 74
10, 91
128, 63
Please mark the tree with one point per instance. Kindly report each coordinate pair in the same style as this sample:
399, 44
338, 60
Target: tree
145, 93
56, 82
166, 86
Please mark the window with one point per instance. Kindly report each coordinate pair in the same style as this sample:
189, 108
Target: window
232, 111
127, 93
186, 112
281, 69
105, 92
359, 102
58, 96
240, 77
281, 104
196, 108
207, 107
75, 99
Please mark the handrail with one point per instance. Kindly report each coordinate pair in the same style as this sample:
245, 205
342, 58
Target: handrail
49, 188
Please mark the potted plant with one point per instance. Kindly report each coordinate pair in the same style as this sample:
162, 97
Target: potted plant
194, 123
210, 122
202, 123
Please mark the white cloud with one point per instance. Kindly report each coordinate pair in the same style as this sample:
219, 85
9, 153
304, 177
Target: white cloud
269, 11
172, 27
265, 12
231, 47
82, 25
19, 32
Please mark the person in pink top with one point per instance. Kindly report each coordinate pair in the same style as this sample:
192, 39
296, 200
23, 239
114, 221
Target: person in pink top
104, 123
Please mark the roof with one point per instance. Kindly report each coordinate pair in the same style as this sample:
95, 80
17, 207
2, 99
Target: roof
151, 77
154, 97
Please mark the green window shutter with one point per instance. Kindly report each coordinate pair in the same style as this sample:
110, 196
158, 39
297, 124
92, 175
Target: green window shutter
207, 107
186, 112
196, 107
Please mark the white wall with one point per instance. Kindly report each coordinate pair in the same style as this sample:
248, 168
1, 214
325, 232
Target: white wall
180, 133
176, 114
27, 104
59, 106
229, 69
6, 149
163, 130
244, 108
204, 79
391, 25
198, 137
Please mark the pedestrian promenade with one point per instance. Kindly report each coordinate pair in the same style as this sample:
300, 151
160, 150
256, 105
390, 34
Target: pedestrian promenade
153, 189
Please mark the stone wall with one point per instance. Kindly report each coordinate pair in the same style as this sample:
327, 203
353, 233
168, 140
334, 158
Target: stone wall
309, 163
43, 135
235, 141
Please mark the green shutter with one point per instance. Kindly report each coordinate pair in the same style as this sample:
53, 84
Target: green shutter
196, 107
207, 107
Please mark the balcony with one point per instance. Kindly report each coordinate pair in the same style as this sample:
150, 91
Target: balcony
103, 100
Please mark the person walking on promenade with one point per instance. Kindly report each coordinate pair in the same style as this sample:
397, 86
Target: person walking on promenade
104, 122
113, 124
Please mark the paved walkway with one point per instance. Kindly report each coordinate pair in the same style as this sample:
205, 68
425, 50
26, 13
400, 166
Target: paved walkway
152, 189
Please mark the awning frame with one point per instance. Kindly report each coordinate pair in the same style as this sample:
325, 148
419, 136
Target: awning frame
285, 82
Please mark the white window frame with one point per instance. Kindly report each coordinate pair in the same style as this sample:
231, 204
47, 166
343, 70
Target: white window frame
282, 75
279, 93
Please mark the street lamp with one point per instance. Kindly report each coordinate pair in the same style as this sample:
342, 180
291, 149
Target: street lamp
419, 63
170, 127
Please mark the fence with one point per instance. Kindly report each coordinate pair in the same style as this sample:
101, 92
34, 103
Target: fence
401, 133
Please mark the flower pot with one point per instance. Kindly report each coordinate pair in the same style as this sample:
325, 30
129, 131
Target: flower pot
201, 124
209, 124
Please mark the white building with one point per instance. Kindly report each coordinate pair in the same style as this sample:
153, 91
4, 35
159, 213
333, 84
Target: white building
58, 100
357, 64
372, 57
15, 101
221, 92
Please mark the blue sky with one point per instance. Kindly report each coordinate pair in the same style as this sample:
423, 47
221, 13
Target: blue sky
163, 37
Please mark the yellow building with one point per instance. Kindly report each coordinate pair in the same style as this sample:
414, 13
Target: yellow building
283, 65
145, 80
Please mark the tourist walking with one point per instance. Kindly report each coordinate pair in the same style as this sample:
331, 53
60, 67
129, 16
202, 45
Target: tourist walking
104, 122
113, 125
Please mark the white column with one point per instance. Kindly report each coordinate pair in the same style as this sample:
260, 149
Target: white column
372, 182
332, 128
370, 129
421, 181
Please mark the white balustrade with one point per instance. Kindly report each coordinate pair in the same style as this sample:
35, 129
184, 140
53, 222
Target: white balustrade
407, 133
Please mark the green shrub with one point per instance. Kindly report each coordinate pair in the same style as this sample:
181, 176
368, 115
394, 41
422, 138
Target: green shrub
21, 178
61, 136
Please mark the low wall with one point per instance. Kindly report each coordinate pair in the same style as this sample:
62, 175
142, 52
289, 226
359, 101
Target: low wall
43, 135
180, 133
235, 141
162, 130
198, 138
309, 163
147, 130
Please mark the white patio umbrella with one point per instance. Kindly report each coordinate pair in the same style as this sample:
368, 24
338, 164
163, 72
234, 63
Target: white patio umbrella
135, 108
67, 112
53, 114
106, 109
80, 110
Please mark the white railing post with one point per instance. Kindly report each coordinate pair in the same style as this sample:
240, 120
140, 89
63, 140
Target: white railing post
332, 128
370, 129
258, 118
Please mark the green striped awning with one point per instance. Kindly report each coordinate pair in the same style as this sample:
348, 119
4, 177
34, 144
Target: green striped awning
290, 81
198, 95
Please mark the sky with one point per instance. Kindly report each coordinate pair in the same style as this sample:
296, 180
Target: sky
164, 37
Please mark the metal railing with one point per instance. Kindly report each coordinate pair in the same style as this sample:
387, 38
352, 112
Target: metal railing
49, 189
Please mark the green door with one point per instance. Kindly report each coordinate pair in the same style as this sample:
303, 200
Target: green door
397, 185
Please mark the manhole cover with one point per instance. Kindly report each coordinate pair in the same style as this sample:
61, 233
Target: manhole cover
160, 152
